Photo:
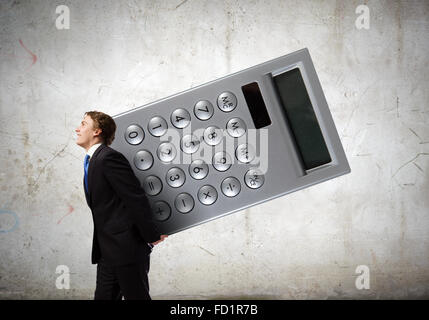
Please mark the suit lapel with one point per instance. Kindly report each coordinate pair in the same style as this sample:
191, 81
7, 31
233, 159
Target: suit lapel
86, 193
91, 167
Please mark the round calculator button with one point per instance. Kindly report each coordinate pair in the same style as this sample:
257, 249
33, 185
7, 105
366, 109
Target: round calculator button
161, 211
230, 187
221, 161
254, 178
236, 127
198, 169
152, 185
134, 134
227, 101
203, 110
245, 153
207, 195
143, 160
157, 126
212, 135
184, 202
175, 177
180, 118
189, 144
166, 152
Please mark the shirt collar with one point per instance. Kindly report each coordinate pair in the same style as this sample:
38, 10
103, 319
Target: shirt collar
92, 149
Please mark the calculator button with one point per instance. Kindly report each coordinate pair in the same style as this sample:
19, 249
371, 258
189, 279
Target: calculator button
203, 110
152, 185
227, 101
198, 169
184, 202
207, 195
143, 160
190, 144
245, 153
180, 118
175, 177
166, 152
134, 134
161, 211
212, 135
221, 161
254, 178
230, 187
236, 127
157, 126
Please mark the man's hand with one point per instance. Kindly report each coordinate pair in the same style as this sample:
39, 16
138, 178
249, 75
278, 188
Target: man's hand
163, 236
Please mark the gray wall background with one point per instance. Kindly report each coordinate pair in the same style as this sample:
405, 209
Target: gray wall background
118, 55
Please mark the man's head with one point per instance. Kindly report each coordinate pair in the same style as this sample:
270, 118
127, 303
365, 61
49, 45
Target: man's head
96, 127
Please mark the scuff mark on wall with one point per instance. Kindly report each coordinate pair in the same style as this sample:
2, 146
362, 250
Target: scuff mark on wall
71, 209
6, 227
33, 56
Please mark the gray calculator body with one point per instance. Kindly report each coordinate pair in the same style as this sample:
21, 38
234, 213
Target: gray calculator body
269, 126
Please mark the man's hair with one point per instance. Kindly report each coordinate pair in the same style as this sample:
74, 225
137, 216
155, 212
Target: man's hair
105, 123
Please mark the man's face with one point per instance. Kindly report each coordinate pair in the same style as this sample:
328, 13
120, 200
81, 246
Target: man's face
86, 134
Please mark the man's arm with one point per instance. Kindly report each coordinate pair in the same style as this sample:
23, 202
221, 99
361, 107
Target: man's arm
121, 177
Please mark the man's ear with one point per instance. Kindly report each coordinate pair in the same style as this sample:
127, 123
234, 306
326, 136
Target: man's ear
97, 132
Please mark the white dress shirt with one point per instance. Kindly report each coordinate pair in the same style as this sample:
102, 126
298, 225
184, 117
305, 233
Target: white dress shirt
92, 150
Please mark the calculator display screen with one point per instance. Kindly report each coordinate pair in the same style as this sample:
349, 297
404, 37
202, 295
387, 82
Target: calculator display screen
302, 120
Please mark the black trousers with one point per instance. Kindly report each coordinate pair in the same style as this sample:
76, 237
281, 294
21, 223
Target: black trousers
128, 281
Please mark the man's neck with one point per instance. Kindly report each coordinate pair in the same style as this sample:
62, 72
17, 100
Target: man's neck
95, 142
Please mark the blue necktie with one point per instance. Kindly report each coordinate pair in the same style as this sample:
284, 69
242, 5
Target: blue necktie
85, 166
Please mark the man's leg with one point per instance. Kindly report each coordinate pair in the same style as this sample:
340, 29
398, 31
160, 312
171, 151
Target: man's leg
133, 279
107, 287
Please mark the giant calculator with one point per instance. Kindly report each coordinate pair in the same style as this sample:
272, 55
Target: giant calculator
232, 143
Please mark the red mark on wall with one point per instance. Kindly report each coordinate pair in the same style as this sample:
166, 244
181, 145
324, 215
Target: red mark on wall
33, 56
71, 209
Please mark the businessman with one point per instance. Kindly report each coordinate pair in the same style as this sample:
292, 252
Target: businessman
124, 233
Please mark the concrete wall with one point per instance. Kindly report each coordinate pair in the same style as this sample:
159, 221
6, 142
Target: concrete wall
122, 54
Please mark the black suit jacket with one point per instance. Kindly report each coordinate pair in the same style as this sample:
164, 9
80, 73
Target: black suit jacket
120, 210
